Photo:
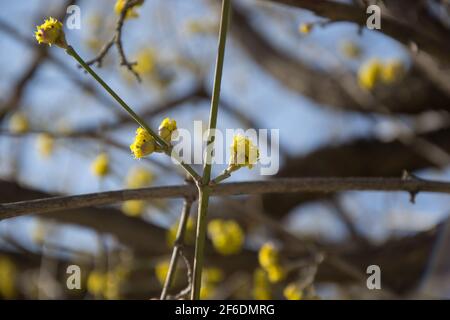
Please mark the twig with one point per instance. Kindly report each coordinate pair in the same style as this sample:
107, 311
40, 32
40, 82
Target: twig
178, 245
117, 41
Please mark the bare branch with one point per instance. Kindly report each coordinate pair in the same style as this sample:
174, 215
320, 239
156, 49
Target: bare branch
282, 185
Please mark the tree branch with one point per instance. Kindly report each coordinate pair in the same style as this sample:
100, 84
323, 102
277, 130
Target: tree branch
282, 185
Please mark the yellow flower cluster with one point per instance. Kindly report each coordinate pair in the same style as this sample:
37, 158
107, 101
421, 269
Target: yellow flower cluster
261, 285
305, 28
138, 177
100, 165
106, 285
269, 260
167, 128
51, 32
45, 144
293, 292
243, 153
226, 235
189, 235
132, 13
143, 145
8, 276
18, 123
374, 72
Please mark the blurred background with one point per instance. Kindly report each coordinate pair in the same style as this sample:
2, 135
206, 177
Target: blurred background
348, 101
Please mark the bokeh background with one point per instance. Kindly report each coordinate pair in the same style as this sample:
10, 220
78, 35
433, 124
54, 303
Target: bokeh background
278, 74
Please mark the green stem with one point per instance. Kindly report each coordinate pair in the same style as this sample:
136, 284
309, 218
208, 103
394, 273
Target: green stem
165, 146
203, 188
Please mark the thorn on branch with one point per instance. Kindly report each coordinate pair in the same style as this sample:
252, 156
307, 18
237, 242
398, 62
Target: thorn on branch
407, 176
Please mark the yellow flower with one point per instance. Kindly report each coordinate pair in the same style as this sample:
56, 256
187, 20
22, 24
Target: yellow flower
392, 71
18, 123
261, 285
293, 292
243, 153
143, 144
212, 275
189, 235
100, 165
133, 208
96, 283
51, 32
45, 144
369, 74
227, 236
120, 5
161, 270
8, 276
167, 128
275, 273
146, 62
268, 255
350, 49
305, 28
139, 177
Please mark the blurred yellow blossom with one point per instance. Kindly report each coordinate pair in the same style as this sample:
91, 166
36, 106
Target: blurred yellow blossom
243, 153
51, 32
18, 123
293, 292
189, 234
201, 27
369, 74
134, 208
146, 62
167, 128
143, 144
261, 285
350, 49
96, 283
161, 270
275, 273
305, 28
139, 177
226, 235
207, 291
392, 71
45, 144
8, 275
131, 13
100, 165
212, 275
268, 255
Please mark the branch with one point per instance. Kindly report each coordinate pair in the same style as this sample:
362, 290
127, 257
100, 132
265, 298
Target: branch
283, 185
402, 32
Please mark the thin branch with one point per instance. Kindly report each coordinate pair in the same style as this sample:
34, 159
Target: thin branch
117, 41
178, 245
410, 184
